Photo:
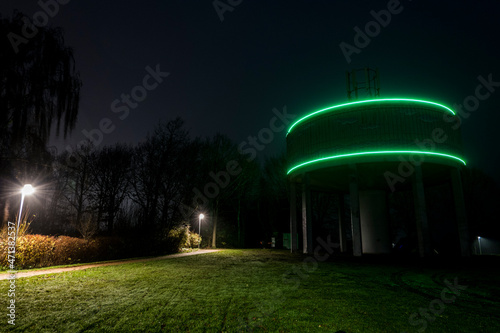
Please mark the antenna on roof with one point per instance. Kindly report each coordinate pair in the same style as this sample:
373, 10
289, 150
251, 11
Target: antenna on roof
369, 87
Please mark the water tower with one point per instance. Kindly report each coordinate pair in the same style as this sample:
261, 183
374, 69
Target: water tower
367, 148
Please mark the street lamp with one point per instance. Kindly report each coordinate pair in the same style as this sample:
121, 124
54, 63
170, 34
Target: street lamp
199, 228
479, 241
27, 190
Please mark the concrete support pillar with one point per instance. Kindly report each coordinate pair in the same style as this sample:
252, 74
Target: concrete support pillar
342, 224
424, 240
458, 197
374, 222
306, 216
293, 218
355, 223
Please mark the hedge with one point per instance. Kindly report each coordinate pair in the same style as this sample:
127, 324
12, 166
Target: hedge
33, 251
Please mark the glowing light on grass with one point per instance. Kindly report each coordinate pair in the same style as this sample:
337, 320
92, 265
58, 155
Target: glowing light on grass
369, 101
383, 152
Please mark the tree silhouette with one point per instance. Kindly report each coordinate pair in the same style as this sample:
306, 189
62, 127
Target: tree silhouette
39, 86
162, 166
110, 177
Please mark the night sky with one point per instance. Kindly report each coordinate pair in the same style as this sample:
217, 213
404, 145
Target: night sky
227, 76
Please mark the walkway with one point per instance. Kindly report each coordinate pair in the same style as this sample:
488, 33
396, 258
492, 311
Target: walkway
4, 276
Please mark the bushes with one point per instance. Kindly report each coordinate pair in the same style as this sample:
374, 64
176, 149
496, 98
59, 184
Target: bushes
70, 250
181, 238
194, 240
34, 251
39, 251
110, 248
177, 239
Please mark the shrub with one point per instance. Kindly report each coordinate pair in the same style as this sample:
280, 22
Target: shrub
24, 225
177, 238
181, 237
194, 240
34, 251
69, 250
87, 227
110, 248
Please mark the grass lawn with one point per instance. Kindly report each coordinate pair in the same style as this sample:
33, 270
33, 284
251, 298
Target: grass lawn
257, 290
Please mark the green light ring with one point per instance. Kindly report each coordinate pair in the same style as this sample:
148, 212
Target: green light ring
377, 152
369, 101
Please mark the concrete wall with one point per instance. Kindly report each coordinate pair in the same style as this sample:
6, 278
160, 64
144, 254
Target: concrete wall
374, 222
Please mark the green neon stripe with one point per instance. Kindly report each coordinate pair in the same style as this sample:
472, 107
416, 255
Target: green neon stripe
373, 153
369, 101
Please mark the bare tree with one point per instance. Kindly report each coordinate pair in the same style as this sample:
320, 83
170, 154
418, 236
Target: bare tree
233, 188
162, 167
76, 181
274, 194
110, 181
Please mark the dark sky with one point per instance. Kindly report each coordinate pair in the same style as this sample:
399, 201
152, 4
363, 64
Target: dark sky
227, 76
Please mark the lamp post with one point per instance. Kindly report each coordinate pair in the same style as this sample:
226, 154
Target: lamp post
199, 228
27, 190
479, 241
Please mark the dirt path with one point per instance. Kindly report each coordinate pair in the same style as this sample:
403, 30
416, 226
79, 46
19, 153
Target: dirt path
4, 276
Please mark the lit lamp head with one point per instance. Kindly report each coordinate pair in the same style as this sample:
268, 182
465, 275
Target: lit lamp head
478, 237
27, 189
202, 216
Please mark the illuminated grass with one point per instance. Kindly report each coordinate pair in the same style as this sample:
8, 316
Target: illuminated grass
240, 290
